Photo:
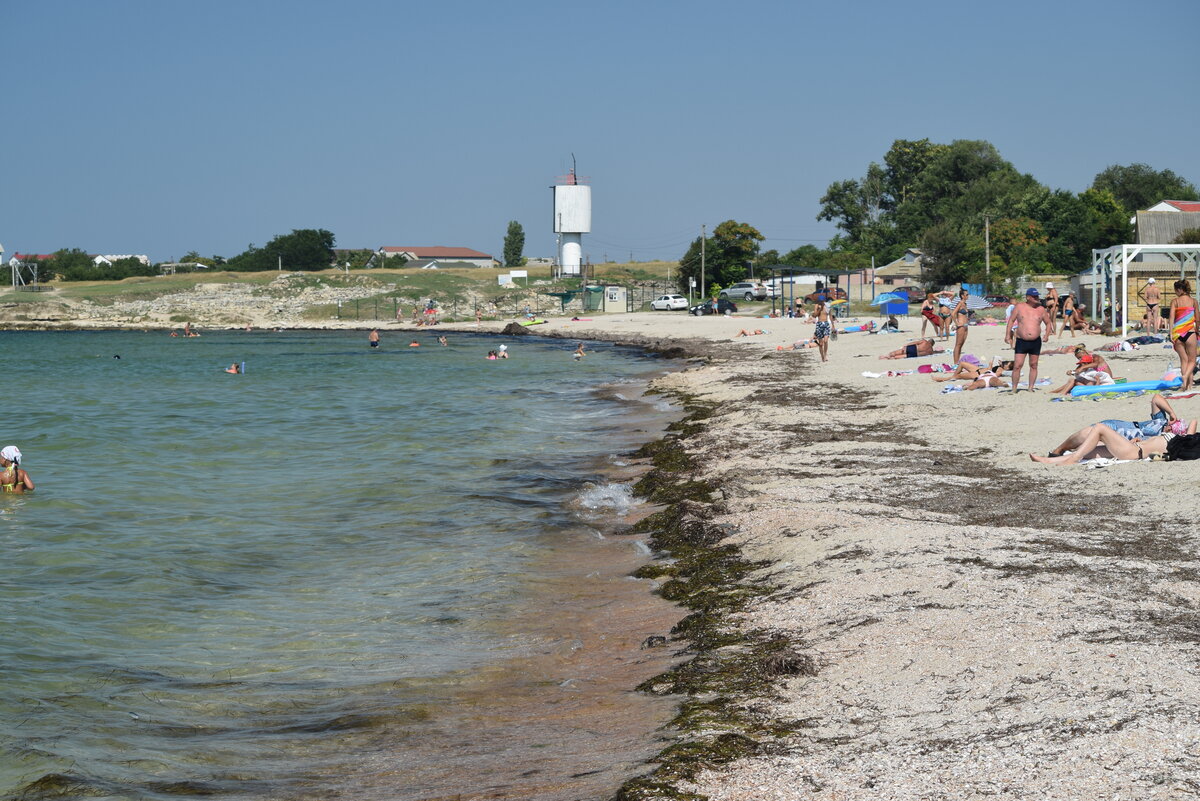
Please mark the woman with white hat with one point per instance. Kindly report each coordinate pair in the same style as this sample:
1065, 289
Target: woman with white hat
12, 477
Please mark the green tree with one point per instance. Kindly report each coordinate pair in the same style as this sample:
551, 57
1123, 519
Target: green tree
1188, 236
514, 245
1140, 186
302, 249
732, 246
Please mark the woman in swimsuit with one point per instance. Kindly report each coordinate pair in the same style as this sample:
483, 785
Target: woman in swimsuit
972, 371
929, 315
961, 318
1101, 441
1183, 330
823, 330
944, 314
12, 477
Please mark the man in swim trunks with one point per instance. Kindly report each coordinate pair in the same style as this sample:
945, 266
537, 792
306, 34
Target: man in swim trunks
918, 347
1027, 322
373, 338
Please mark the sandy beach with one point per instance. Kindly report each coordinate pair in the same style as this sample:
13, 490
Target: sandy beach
958, 622
981, 625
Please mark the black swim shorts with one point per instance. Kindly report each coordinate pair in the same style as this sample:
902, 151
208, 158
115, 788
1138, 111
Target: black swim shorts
1030, 347
374, 344
910, 351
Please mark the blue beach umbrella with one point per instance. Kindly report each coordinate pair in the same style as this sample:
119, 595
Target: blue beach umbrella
889, 297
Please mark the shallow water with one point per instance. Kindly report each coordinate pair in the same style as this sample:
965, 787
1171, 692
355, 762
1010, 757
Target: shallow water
300, 581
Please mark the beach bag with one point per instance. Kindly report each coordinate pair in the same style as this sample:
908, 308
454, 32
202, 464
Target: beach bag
1184, 448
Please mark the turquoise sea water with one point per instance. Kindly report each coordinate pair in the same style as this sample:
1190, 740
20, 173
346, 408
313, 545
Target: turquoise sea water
234, 585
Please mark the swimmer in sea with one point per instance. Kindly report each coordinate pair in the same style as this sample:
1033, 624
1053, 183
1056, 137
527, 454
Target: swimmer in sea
491, 357
443, 342
414, 344
12, 477
578, 354
234, 369
373, 338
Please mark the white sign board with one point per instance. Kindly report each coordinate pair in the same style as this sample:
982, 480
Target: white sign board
519, 273
504, 279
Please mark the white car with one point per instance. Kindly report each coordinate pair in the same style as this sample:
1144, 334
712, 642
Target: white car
669, 303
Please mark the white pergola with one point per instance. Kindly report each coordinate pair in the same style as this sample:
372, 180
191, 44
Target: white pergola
1113, 265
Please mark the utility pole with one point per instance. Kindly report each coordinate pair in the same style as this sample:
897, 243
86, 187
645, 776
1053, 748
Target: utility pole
702, 295
987, 253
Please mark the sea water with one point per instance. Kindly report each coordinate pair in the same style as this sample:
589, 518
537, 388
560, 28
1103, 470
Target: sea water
308, 580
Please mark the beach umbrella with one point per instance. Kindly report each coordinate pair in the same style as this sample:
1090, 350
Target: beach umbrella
975, 302
889, 297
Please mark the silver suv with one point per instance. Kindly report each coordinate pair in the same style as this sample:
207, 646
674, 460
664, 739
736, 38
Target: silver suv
744, 290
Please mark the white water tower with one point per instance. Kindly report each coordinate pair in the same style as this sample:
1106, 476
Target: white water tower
572, 219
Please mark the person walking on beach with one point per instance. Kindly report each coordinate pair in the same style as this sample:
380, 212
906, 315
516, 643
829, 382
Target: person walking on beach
1068, 312
373, 338
1028, 319
12, 477
961, 318
1183, 330
823, 330
1153, 298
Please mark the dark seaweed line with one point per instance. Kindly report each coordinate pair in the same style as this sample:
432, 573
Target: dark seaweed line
725, 666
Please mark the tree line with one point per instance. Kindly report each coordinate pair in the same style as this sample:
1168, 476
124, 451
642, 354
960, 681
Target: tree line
937, 197
303, 249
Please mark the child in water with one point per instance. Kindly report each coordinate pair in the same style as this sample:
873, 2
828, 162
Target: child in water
12, 477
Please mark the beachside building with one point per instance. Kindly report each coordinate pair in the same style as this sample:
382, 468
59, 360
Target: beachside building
904, 271
109, 259
468, 257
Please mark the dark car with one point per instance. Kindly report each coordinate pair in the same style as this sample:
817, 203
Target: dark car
998, 300
915, 293
837, 294
722, 306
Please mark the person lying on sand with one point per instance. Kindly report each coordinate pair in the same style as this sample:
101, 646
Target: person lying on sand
972, 371
1100, 441
918, 347
756, 332
1162, 418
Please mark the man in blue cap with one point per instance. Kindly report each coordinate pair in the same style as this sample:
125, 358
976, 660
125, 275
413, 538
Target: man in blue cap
1027, 323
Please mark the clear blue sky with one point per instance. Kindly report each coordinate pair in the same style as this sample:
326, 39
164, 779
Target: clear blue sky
159, 127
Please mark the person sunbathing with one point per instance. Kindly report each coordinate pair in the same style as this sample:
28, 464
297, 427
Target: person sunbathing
1100, 441
1162, 418
971, 371
918, 347
754, 333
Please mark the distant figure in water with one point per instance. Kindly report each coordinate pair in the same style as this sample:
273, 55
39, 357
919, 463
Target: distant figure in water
414, 344
373, 338
578, 354
502, 353
12, 477
234, 369
443, 341
174, 333
491, 357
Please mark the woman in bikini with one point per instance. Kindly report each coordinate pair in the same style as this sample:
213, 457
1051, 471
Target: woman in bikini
1183, 330
1101, 441
12, 477
961, 318
970, 371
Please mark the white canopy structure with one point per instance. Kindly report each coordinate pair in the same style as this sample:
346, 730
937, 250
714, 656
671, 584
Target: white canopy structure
1111, 265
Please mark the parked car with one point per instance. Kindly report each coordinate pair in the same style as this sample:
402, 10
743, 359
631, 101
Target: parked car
746, 290
834, 292
915, 293
719, 306
998, 300
669, 303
